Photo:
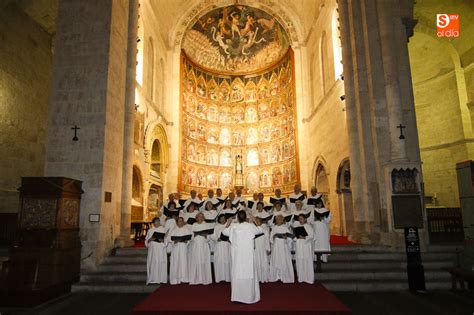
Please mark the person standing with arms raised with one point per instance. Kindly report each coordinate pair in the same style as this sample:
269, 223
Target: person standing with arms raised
244, 282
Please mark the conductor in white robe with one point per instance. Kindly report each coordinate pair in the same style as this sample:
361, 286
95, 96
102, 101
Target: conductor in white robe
179, 252
244, 282
157, 258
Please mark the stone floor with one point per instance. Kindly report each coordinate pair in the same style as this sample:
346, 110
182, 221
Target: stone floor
392, 303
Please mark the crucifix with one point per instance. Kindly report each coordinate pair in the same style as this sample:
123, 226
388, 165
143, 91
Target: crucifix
75, 128
401, 127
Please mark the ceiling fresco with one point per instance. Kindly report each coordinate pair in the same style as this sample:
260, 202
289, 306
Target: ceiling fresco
236, 39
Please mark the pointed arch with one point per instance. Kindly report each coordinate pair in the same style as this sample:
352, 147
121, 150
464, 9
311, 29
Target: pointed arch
156, 132
151, 69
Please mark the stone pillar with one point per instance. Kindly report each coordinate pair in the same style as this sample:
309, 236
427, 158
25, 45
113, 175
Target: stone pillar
88, 90
358, 231
389, 51
128, 150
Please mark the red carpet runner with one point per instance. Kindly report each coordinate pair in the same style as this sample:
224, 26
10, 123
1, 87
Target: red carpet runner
276, 298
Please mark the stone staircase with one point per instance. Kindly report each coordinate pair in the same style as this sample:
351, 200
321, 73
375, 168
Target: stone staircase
350, 268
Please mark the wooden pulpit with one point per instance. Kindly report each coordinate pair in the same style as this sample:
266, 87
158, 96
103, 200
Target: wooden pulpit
45, 257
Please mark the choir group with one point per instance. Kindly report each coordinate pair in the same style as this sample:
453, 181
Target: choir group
190, 230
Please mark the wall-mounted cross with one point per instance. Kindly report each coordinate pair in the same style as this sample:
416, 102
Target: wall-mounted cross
75, 128
401, 127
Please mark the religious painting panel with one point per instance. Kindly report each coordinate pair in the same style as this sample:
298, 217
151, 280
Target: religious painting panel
212, 180
248, 116
225, 159
201, 87
212, 90
224, 137
252, 157
225, 182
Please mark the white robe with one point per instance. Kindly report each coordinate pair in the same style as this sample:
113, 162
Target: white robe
222, 258
242, 202
199, 259
263, 215
244, 283
213, 200
210, 215
322, 234
262, 264
281, 265
157, 258
282, 212
230, 211
304, 255
189, 200
179, 256
291, 206
186, 215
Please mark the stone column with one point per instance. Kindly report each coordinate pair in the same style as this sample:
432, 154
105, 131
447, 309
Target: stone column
357, 228
390, 52
88, 90
129, 118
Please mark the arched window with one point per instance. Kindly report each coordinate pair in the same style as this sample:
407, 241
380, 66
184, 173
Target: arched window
162, 85
156, 157
344, 176
136, 186
151, 67
322, 62
322, 182
336, 46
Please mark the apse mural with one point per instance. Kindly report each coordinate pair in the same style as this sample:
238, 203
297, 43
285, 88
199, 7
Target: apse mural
225, 116
233, 39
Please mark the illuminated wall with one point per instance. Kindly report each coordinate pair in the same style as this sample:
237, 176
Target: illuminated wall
225, 116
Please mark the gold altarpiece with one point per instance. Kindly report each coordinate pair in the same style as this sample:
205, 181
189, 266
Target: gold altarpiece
238, 128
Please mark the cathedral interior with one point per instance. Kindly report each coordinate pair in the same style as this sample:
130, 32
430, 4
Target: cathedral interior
142, 98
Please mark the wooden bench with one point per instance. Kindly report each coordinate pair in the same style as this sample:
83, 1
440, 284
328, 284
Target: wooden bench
461, 275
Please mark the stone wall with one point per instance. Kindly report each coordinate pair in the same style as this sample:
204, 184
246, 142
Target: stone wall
442, 71
325, 134
25, 77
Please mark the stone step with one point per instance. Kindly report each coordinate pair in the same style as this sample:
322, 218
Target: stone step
449, 248
381, 265
379, 286
430, 275
332, 285
342, 266
115, 287
339, 257
132, 251
114, 277
378, 275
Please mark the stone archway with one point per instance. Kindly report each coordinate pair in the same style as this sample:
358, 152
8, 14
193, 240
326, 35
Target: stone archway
344, 196
137, 195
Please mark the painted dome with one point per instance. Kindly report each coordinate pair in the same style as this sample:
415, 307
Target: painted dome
236, 39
